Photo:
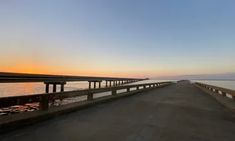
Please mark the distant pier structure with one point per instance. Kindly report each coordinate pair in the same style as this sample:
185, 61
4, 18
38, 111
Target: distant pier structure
61, 80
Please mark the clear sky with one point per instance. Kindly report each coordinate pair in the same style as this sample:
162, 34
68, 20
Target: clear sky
135, 38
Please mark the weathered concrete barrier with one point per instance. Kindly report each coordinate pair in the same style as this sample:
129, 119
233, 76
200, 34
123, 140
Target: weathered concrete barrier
45, 112
218, 90
224, 96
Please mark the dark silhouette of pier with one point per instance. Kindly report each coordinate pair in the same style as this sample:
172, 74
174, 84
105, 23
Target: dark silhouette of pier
61, 80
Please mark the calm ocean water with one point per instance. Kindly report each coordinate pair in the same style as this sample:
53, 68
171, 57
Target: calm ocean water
15, 89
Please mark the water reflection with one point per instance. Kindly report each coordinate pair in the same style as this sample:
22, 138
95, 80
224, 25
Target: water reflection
13, 89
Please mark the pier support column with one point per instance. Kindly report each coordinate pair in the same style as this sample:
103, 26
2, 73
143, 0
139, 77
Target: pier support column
106, 83
47, 88
100, 84
62, 88
89, 84
54, 84
94, 85
54, 88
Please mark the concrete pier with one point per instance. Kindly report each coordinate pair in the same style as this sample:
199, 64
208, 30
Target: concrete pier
61, 80
179, 112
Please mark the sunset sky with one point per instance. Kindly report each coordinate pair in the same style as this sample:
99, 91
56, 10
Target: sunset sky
134, 38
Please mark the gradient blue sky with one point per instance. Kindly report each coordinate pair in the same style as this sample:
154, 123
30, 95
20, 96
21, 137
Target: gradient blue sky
137, 38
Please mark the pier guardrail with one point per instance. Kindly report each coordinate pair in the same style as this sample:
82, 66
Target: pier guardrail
45, 99
217, 90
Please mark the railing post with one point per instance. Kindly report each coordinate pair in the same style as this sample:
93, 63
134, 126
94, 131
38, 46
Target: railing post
90, 96
223, 93
138, 87
44, 103
128, 89
114, 91
144, 86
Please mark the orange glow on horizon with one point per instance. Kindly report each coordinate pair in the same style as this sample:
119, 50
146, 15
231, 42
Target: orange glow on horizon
28, 67
37, 69
40, 69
